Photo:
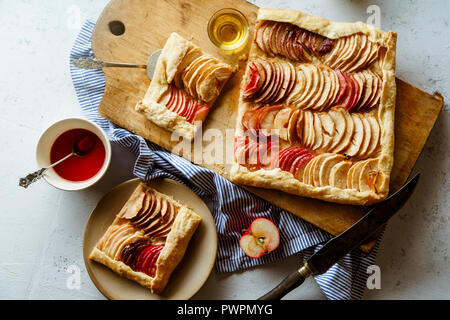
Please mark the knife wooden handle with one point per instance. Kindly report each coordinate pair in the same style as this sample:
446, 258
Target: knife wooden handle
289, 283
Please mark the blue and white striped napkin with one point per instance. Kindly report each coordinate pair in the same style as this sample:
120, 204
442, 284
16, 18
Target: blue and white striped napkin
232, 207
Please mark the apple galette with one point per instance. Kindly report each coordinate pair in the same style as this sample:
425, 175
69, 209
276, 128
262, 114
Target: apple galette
184, 87
316, 109
147, 239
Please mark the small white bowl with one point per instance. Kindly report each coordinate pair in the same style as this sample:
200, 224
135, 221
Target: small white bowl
48, 138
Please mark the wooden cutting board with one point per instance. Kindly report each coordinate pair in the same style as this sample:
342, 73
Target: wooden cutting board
147, 24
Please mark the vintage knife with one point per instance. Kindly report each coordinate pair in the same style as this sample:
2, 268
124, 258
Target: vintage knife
350, 239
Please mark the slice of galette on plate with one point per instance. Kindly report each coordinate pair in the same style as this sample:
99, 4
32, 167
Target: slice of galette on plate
316, 109
147, 239
185, 85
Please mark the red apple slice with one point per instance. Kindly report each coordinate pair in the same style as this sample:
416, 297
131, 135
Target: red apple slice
200, 113
152, 271
344, 87
190, 110
142, 257
254, 83
261, 238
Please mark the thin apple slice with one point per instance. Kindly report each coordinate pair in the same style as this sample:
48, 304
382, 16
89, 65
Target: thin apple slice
325, 168
367, 135
151, 225
360, 87
307, 172
200, 113
343, 88
360, 54
292, 81
111, 230
190, 70
308, 129
280, 82
367, 90
289, 80
351, 93
121, 244
299, 127
299, 87
292, 126
284, 83
368, 176
184, 104
300, 165
379, 88
281, 122
272, 82
346, 53
259, 35
318, 134
133, 206
281, 39
307, 73
124, 232
330, 58
192, 54
315, 169
349, 129
359, 61
210, 85
267, 119
266, 37
191, 88
355, 50
313, 77
151, 271
165, 223
143, 214
173, 98
356, 93
358, 137
354, 182
289, 43
339, 173
272, 45
372, 56
277, 35
327, 84
252, 79
320, 88
191, 107
375, 131
302, 158
340, 126
151, 214
327, 130
130, 252
335, 88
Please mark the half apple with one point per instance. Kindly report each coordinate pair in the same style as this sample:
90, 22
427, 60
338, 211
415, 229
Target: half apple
261, 238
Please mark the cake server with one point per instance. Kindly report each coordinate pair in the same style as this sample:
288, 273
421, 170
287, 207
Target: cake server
88, 63
337, 247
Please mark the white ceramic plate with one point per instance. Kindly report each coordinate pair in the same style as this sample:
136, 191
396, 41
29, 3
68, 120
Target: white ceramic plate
190, 274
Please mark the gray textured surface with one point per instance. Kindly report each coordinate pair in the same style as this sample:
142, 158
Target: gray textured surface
42, 228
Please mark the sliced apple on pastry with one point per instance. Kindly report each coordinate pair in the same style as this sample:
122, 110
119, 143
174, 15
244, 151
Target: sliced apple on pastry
340, 127
325, 169
369, 175
357, 138
347, 134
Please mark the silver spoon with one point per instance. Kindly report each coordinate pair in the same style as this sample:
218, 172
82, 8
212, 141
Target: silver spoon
88, 63
76, 151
